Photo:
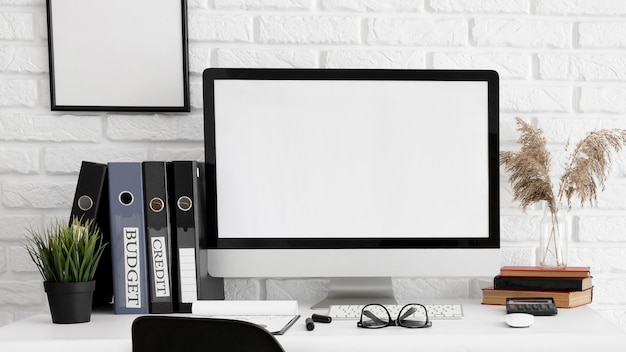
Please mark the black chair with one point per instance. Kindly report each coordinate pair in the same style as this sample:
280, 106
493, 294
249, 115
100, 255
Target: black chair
154, 333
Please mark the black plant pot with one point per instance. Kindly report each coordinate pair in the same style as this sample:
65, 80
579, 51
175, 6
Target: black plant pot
70, 302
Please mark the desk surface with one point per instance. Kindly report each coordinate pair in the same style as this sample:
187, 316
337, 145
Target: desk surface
481, 329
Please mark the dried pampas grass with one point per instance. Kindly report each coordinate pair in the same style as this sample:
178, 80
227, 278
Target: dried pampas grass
585, 173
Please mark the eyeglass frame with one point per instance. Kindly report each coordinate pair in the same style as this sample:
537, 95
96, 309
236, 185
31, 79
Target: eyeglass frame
391, 322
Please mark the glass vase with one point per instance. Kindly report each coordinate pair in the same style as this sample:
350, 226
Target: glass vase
553, 239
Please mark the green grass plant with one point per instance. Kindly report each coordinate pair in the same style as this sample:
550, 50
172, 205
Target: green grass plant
66, 253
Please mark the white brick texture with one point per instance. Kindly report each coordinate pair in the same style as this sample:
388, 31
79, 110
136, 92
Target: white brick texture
508, 65
18, 93
419, 32
582, 67
16, 25
48, 128
603, 99
522, 33
373, 5
263, 4
309, 30
478, 6
37, 195
280, 58
580, 7
224, 28
562, 67
525, 98
602, 34
405, 59
18, 59
155, 128
19, 160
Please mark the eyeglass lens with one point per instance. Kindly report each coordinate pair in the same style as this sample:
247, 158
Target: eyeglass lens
413, 316
374, 316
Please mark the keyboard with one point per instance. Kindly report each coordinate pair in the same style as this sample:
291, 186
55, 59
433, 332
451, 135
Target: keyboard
435, 311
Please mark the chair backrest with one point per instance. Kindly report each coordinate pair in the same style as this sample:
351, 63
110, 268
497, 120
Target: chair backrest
153, 333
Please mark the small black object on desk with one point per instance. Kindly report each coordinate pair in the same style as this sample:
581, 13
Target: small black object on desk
310, 325
318, 318
534, 306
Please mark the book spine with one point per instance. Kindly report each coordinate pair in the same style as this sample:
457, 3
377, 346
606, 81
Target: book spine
561, 299
536, 271
538, 283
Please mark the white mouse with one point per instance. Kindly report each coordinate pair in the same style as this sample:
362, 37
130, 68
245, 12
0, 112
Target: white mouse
519, 320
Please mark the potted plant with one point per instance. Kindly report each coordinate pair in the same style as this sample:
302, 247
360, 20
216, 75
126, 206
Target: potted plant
584, 176
67, 257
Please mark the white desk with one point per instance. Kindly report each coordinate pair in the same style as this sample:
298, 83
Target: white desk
481, 329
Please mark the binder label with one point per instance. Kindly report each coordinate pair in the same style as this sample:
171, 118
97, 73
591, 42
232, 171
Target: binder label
159, 263
132, 266
187, 273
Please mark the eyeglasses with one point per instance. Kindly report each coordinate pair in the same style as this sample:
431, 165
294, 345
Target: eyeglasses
375, 316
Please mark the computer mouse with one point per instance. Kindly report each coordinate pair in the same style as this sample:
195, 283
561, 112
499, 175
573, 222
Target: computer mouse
519, 320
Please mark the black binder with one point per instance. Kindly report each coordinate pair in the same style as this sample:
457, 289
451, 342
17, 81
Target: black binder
192, 278
91, 203
159, 243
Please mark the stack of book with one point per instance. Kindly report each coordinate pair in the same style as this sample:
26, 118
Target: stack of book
569, 287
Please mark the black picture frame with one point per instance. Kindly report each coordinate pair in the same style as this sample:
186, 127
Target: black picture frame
118, 55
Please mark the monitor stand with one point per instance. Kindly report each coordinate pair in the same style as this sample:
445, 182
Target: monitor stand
358, 290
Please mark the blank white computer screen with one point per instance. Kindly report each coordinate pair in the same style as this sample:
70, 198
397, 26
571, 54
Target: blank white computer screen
351, 158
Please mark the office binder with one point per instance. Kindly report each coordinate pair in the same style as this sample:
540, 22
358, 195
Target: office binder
128, 238
91, 203
191, 261
159, 243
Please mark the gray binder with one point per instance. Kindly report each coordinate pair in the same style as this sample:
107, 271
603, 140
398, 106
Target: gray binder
128, 239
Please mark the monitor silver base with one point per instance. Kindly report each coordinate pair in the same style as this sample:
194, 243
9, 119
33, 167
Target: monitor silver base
358, 290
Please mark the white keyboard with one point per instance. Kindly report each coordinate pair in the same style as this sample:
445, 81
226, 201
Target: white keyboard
435, 311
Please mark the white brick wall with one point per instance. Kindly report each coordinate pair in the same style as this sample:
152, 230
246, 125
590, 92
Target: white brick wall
562, 65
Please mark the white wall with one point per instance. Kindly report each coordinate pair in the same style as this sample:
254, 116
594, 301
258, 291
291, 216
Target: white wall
562, 65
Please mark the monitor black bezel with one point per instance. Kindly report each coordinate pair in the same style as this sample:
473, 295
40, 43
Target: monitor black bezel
212, 74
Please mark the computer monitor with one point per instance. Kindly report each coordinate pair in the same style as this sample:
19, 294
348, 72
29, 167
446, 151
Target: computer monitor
354, 175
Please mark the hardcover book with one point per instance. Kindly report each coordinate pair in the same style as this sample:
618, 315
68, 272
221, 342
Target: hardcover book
538, 271
561, 299
567, 284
